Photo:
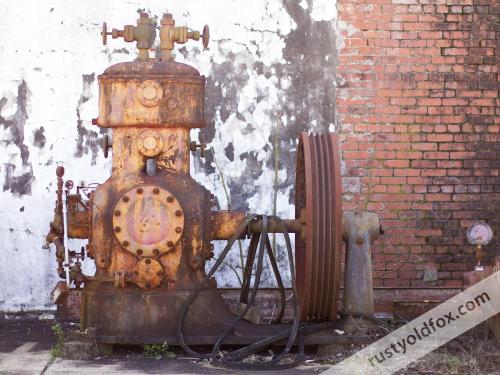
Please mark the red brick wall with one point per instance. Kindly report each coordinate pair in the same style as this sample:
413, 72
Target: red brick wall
418, 112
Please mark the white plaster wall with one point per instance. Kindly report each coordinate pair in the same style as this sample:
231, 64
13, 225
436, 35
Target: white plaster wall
50, 45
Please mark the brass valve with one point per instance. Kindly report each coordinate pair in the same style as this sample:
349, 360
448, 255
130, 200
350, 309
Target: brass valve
144, 34
169, 35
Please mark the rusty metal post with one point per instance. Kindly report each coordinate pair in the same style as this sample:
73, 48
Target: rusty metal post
360, 229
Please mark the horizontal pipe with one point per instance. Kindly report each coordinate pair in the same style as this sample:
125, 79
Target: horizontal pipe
274, 226
225, 224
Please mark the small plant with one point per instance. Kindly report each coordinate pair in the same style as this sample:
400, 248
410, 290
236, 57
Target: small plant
158, 350
59, 334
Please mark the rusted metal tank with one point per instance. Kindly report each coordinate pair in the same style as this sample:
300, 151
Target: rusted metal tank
150, 225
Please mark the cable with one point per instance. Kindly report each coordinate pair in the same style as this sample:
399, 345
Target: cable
279, 281
258, 244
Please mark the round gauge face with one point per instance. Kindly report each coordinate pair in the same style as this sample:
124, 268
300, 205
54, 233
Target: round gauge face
479, 234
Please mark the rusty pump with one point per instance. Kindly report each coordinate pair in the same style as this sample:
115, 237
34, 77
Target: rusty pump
150, 225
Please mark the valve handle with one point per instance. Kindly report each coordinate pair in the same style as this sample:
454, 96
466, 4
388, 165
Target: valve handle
106, 145
205, 36
115, 33
104, 33
193, 146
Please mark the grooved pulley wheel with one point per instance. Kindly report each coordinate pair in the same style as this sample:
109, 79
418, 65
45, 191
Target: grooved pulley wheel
318, 202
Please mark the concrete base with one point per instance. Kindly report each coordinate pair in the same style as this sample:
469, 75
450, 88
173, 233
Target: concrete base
80, 351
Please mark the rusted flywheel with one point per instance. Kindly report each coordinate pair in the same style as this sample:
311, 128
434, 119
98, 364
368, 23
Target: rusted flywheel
318, 200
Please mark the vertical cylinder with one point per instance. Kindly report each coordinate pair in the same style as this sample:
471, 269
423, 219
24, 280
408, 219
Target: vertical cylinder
358, 284
360, 229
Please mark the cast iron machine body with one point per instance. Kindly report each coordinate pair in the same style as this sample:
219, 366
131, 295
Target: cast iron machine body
150, 225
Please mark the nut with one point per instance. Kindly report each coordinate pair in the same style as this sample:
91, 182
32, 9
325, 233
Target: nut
178, 229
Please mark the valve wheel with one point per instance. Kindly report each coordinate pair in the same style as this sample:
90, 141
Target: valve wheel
104, 33
205, 36
318, 200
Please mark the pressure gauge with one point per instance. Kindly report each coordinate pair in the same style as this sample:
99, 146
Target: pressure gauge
479, 234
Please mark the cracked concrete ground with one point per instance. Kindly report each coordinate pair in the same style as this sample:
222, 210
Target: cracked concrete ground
25, 349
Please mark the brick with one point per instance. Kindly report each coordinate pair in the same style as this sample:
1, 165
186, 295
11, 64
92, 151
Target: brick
397, 163
423, 92
436, 155
440, 137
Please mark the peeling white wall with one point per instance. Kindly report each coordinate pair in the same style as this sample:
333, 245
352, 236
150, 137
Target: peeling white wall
269, 62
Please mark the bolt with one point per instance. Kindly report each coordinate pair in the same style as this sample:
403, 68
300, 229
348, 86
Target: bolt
118, 229
139, 191
170, 244
178, 213
148, 261
117, 213
126, 199
156, 191
159, 273
103, 260
139, 251
125, 243
156, 252
148, 285
178, 229
170, 199
359, 240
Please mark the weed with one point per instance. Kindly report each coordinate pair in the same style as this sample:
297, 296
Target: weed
58, 332
158, 351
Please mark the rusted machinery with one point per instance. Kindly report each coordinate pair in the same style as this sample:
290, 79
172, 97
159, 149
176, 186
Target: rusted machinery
150, 225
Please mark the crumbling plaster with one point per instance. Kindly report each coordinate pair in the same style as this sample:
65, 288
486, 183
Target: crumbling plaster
270, 74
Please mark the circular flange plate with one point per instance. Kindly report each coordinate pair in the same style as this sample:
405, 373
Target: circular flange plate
148, 273
150, 143
318, 201
150, 93
148, 221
